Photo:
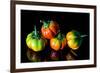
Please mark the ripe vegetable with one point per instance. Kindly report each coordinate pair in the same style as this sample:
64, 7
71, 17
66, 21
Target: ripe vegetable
58, 42
49, 29
74, 39
35, 42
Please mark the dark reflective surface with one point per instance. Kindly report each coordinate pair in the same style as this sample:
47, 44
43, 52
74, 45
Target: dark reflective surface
67, 21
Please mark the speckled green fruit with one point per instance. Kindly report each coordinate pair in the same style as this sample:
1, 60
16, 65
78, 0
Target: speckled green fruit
35, 42
74, 39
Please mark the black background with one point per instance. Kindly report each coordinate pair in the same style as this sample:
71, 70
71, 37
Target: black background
67, 21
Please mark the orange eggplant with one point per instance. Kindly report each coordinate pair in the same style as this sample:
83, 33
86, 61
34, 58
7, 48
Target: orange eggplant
49, 29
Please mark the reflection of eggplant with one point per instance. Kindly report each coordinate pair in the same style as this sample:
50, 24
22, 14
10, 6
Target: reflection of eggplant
33, 56
54, 55
70, 56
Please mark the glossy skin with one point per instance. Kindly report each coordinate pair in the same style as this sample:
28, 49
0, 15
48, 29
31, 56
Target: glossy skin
57, 44
73, 39
36, 44
49, 29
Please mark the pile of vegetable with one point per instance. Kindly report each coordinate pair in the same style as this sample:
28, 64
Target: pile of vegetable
58, 42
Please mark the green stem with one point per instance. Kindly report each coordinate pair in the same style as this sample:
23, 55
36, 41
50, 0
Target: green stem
59, 36
82, 36
74, 53
45, 23
35, 32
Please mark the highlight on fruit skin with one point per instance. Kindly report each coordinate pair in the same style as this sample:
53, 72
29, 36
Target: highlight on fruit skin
74, 39
35, 42
49, 29
58, 42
